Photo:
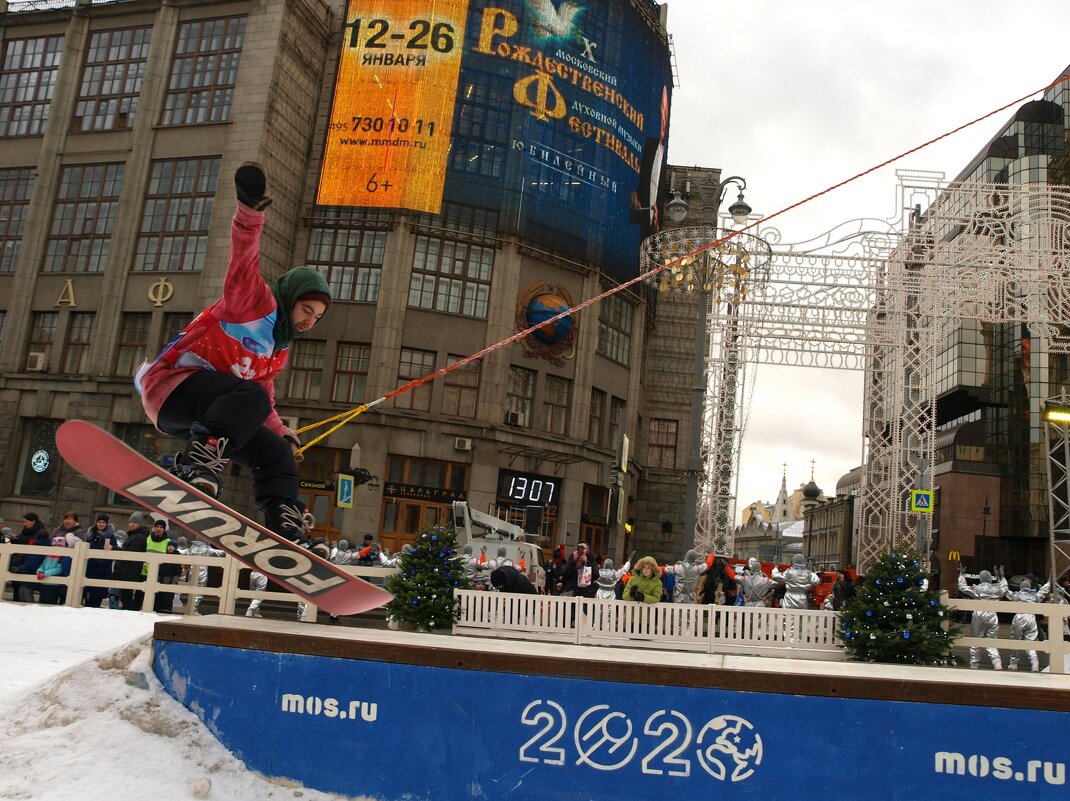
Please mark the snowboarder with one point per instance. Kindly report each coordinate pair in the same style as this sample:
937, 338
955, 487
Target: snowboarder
213, 385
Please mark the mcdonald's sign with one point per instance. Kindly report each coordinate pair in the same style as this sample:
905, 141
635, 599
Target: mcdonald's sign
954, 556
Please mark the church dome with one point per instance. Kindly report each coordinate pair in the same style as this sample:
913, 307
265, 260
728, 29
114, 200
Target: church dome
811, 491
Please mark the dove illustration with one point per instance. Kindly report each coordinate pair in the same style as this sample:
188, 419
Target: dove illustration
554, 22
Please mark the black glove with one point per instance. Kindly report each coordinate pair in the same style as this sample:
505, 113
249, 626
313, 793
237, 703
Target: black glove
636, 595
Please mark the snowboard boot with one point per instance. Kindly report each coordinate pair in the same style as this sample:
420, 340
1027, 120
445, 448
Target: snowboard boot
202, 462
250, 183
288, 519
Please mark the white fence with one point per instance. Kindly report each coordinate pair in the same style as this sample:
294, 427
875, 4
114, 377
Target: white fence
229, 594
1054, 646
761, 631
805, 633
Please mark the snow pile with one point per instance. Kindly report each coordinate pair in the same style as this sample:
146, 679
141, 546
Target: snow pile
85, 719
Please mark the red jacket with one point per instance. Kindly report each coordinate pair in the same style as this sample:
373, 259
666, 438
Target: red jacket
232, 335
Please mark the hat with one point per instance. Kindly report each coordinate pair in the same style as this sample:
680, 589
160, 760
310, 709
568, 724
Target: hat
497, 577
159, 522
182, 542
798, 560
59, 541
320, 296
143, 519
984, 577
646, 561
103, 517
343, 545
300, 282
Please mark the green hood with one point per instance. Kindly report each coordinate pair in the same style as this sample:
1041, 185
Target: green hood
294, 284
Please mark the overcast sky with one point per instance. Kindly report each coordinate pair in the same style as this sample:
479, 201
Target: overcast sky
797, 95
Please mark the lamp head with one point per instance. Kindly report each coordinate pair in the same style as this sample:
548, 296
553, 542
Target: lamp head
740, 210
676, 208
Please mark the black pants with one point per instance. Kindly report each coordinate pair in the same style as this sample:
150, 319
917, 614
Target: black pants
235, 408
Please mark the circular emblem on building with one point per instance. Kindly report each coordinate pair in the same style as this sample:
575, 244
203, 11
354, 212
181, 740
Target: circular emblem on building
40, 461
545, 307
735, 750
538, 305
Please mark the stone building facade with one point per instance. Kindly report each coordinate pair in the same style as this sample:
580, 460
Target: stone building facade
118, 147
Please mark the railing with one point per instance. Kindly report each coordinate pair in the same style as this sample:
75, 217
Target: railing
228, 594
805, 633
1054, 646
757, 631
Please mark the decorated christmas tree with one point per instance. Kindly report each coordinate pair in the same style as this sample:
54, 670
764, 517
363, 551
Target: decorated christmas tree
426, 578
897, 617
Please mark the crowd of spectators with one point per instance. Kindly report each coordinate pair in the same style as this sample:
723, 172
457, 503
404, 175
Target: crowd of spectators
141, 534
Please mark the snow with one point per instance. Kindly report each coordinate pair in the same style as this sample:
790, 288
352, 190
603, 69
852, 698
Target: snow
84, 717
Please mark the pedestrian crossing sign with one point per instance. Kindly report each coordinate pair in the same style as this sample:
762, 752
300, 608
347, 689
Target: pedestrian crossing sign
921, 501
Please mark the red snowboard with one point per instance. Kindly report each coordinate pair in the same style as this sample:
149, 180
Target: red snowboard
103, 458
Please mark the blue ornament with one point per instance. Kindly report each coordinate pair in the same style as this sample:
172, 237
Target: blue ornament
932, 602
434, 538
899, 580
869, 613
906, 635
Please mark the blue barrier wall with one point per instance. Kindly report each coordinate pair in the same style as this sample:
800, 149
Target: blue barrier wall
401, 731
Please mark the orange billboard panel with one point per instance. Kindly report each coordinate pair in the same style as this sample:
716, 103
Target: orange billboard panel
388, 138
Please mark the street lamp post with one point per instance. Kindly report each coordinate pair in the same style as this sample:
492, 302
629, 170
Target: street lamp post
739, 210
717, 274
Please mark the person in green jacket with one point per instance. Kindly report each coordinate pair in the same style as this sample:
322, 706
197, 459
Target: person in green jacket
157, 543
645, 583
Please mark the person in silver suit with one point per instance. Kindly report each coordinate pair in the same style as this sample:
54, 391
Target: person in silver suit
1024, 624
982, 623
687, 572
797, 581
608, 576
757, 587
473, 570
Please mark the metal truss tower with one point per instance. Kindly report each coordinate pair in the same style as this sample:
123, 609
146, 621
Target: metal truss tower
882, 297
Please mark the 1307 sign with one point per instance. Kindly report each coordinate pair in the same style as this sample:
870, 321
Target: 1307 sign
528, 488
420, 34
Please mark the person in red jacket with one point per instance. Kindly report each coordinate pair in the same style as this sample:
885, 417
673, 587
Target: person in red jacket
214, 385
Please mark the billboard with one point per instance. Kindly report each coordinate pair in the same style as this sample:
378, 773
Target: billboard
557, 112
445, 733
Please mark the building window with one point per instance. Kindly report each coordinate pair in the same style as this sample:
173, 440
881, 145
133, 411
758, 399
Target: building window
79, 335
616, 420
15, 187
133, 342
42, 335
348, 248
85, 211
307, 357
351, 372
460, 390
520, 396
615, 329
40, 465
177, 214
3, 319
451, 276
111, 80
556, 402
661, 444
597, 418
415, 364
27, 80
204, 71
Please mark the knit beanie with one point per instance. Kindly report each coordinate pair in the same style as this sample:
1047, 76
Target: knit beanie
295, 284
143, 519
